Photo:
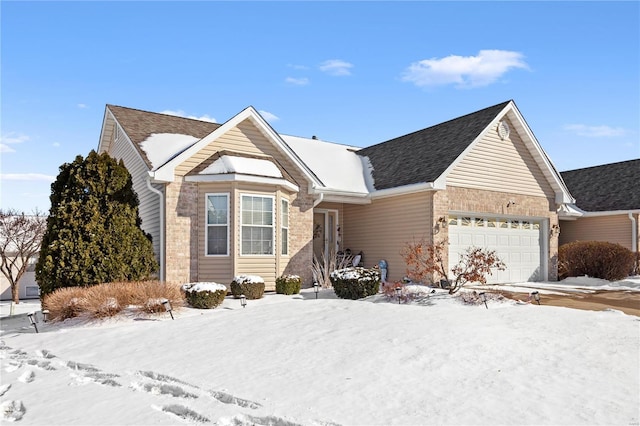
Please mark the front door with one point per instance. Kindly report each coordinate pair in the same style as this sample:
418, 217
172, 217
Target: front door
325, 233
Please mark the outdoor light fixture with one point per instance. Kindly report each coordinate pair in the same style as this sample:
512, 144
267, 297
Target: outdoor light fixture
536, 296
316, 288
45, 315
243, 300
33, 320
483, 296
167, 307
398, 291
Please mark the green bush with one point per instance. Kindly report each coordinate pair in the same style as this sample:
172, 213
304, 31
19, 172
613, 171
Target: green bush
252, 286
597, 259
288, 284
355, 283
204, 295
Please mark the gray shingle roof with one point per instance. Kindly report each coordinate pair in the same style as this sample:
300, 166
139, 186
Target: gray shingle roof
139, 125
424, 155
608, 187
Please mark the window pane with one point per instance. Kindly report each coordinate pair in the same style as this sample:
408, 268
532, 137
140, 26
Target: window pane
285, 241
217, 206
217, 240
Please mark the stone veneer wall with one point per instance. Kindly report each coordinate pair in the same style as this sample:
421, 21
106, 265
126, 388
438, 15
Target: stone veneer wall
301, 237
495, 203
181, 226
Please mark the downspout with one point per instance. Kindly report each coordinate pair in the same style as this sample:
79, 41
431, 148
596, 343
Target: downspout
318, 201
634, 233
162, 248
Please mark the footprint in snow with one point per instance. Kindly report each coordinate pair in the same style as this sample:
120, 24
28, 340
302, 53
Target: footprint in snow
246, 420
27, 377
4, 388
12, 411
43, 353
184, 413
163, 389
162, 378
81, 367
226, 398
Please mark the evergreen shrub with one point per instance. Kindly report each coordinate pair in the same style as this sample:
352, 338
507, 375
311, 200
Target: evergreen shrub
355, 283
93, 230
252, 286
288, 284
204, 295
596, 259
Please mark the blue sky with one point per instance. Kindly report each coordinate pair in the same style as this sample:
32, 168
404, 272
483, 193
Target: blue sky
356, 73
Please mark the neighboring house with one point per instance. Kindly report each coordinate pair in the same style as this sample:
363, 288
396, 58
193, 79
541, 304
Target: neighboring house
233, 198
607, 204
28, 287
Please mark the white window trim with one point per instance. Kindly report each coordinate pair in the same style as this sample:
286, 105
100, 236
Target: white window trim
283, 226
207, 225
274, 228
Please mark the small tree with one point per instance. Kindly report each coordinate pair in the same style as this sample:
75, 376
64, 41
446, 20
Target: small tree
424, 260
20, 239
93, 231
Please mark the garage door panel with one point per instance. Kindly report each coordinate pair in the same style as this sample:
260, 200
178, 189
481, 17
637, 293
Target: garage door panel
518, 245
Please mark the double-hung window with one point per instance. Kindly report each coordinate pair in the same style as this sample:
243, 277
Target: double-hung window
284, 233
257, 225
217, 238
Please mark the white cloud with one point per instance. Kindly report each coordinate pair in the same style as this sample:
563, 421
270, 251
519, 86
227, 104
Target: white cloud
298, 67
464, 71
11, 139
595, 131
336, 67
56, 144
297, 81
82, 106
180, 113
268, 116
27, 177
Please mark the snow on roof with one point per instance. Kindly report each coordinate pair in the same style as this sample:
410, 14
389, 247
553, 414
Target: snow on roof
161, 147
242, 165
337, 166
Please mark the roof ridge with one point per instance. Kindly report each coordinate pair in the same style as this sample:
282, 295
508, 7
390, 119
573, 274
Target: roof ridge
163, 114
503, 104
602, 165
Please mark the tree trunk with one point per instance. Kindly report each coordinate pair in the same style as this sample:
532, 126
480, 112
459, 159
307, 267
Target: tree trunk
15, 292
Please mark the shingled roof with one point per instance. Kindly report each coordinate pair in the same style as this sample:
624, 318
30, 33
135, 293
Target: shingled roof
139, 125
424, 155
609, 187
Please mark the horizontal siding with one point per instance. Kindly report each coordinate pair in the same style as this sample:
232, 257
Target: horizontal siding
244, 139
381, 229
501, 165
149, 209
263, 266
614, 229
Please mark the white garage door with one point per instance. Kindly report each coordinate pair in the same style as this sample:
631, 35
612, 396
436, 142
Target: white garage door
517, 243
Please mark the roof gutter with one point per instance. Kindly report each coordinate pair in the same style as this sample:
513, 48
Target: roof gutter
634, 233
401, 190
162, 248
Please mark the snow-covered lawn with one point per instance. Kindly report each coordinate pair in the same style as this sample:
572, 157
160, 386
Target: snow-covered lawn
286, 360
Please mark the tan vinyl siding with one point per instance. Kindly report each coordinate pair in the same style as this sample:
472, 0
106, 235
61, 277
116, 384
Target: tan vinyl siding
259, 265
501, 165
614, 229
381, 229
149, 209
244, 139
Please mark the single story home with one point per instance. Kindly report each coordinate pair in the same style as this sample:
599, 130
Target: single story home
607, 206
27, 285
240, 198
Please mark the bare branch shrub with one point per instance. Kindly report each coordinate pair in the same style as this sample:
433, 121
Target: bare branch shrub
325, 265
424, 260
